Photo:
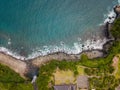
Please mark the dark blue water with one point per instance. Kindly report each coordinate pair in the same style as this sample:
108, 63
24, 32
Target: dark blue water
43, 26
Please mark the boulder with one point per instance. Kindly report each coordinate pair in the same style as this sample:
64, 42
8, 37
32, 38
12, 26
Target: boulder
117, 9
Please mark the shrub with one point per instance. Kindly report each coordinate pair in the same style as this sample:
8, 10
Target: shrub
115, 31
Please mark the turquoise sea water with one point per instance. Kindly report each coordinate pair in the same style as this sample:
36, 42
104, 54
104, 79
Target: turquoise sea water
45, 26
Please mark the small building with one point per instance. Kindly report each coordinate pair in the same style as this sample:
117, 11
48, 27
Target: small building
82, 83
65, 87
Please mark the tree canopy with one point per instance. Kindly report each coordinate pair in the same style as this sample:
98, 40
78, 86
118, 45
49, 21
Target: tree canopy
115, 31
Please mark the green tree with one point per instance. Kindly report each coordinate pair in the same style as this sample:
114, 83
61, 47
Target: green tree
115, 31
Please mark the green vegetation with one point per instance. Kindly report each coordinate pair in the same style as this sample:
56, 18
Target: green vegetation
117, 69
101, 70
46, 71
9, 80
80, 70
7, 75
16, 86
116, 29
98, 68
104, 83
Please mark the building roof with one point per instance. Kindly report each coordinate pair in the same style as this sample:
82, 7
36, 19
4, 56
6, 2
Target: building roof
82, 82
65, 87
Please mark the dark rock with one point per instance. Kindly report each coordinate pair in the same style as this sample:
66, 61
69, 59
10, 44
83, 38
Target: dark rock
31, 70
117, 10
107, 46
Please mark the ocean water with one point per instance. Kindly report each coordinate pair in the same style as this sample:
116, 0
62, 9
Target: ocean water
30, 28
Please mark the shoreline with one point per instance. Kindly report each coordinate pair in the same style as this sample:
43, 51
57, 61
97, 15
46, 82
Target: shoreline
93, 44
27, 67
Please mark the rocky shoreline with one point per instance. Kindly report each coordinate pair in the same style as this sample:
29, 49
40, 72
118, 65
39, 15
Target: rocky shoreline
30, 68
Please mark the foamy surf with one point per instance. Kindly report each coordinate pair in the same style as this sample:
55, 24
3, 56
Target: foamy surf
13, 54
110, 17
76, 49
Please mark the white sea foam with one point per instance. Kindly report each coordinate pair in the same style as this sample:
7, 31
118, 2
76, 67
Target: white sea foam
9, 41
76, 49
110, 17
13, 54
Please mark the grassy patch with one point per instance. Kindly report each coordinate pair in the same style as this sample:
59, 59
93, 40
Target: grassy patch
117, 69
67, 76
80, 70
64, 77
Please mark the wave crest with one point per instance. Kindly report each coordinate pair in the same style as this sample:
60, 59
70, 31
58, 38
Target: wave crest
76, 49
